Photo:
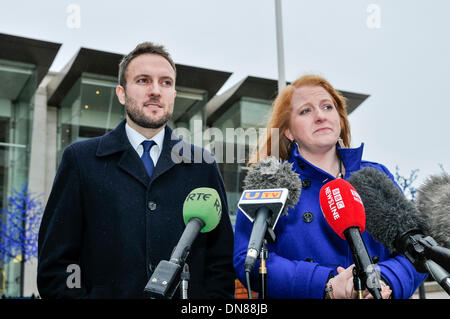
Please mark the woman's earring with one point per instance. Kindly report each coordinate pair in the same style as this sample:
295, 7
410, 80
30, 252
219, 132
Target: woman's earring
341, 142
294, 144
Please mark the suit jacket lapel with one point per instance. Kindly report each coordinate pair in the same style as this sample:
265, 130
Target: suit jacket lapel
117, 141
172, 153
132, 164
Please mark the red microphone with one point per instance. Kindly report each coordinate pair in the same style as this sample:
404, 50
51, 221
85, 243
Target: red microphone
342, 206
343, 209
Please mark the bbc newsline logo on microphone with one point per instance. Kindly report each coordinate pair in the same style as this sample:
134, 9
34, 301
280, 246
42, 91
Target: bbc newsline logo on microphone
335, 201
227, 145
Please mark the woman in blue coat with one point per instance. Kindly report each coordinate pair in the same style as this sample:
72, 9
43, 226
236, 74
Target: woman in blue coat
308, 259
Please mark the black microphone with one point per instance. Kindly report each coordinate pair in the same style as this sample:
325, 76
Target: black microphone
270, 188
202, 210
394, 221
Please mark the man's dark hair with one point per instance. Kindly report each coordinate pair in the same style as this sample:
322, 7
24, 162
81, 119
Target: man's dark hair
142, 48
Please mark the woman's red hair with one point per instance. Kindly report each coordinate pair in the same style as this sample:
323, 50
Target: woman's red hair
282, 111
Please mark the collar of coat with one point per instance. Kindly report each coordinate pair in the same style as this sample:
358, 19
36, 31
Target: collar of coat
174, 151
351, 159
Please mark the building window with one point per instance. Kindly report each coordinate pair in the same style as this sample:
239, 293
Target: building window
90, 109
19, 82
240, 130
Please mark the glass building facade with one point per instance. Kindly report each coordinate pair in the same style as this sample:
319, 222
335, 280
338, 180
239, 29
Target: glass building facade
81, 103
240, 126
91, 108
19, 82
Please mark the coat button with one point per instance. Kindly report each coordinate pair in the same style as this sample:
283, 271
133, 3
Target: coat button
308, 217
152, 206
306, 183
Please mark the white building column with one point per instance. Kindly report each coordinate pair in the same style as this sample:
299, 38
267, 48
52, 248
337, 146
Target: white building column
37, 175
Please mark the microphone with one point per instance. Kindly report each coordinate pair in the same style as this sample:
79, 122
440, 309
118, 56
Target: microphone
344, 211
202, 210
395, 222
433, 202
270, 188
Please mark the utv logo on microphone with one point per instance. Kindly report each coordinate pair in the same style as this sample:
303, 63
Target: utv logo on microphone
262, 195
334, 198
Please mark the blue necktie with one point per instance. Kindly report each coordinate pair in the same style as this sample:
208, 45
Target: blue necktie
146, 159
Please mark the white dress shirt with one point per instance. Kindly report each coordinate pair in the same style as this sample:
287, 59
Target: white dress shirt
137, 138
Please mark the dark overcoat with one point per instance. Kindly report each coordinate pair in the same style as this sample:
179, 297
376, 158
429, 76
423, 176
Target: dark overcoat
107, 217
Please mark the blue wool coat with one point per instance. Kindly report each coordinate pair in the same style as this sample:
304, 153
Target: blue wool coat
307, 251
106, 215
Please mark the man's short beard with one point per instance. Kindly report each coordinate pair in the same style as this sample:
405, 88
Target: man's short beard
140, 119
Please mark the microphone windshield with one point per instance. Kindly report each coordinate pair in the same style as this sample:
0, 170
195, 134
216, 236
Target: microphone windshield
433, 201
342, 206
203, 203
389, 214
270, 173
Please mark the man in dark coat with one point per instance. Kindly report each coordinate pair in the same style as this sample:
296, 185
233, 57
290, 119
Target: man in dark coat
110, 219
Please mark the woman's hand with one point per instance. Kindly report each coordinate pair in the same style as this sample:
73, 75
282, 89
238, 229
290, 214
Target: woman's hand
343, 283
385, 292
343, 287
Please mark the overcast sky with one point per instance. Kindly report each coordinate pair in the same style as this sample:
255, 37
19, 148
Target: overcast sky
398, 52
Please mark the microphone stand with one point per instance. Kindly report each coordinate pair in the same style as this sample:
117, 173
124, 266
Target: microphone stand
368, 277
185, 277
439, 274
263, 255
263, 269
166, 278
358, 284
426, 256
440, 255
